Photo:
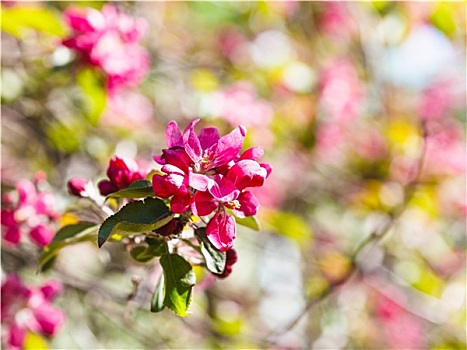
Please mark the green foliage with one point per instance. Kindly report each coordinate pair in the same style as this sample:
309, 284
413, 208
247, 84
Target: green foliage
138, 189
179, 281
215, 259
289, 225
157, 301
68, 235
66, 137
146, 253
443, 18
135, 218
17, 20
95, 97
249, 221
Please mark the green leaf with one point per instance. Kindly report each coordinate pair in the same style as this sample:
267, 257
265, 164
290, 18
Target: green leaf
72, 230
138, 189
144, 254
157, 301
51, 251
289, 225
249, 221
95, 97
134, 218
179, 281
215, 259
17, 20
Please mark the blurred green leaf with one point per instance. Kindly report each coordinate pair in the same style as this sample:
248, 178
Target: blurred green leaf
212, 13
443, 18
72, 230
179, 281
51, 251
138, 189
66, 137
215, 259
249, 221
17, 20
146, 253
157, 301
288, 224
135, 217
93, 88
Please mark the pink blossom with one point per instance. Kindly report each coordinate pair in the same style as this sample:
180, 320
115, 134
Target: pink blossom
32, 212
122, 172
342, 92
77, 186
108, 39
239, 104
206, 174
25, 309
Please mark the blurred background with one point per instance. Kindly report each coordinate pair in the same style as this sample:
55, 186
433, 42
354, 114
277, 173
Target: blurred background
360, 107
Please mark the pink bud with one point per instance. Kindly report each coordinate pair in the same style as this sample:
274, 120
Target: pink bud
51, 289
77, 186
42, 235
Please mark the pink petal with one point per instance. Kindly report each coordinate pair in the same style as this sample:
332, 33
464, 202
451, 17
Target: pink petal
208, 137
49, 318
227, 148
12, 235
51, 289
203, 203
223, 190
26, 191
247, 173
106, 187
176, 184
42, 235
268, 168
191, 142
248, 205
77, 186
180, 203
173, 135
252, 153
159, 188
177, 157
221, 231
16, 336
198, 181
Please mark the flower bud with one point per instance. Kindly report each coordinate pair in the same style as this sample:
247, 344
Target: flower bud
77, 186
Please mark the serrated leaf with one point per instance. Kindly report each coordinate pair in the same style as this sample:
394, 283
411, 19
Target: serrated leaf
138, 189
94, 93
215, 259
17, 20
249, 221
51, 251
72, 230
157, 301
135, 218
179, 281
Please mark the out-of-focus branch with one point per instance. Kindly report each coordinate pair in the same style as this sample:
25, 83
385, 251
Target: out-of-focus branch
374, 238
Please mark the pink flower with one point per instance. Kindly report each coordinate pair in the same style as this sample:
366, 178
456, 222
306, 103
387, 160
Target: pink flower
239, 104
26, 309
122, 172
77, 186
108, 39
32, 212
206, 174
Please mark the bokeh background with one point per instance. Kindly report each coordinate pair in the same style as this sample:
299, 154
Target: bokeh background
360, 107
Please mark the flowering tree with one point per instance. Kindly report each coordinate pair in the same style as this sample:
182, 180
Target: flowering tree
249, 175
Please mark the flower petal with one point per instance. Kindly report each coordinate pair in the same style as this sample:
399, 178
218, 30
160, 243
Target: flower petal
42, 235
221, 231
248, 205
203, 203
192, 143
180, 203
208, 137
173, 135
159, 188
223, 190
227, 148
176, 156
198, 181
247, 173
252, 153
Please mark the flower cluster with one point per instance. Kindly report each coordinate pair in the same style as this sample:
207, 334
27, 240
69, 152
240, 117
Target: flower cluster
205, 174
25, 309
31, 211
109, 40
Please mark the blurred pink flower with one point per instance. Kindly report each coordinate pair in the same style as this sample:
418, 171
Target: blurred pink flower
128, 109
337, 21
342, 92
32, 211
438, 100
109, 39
240, 104
25, 309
